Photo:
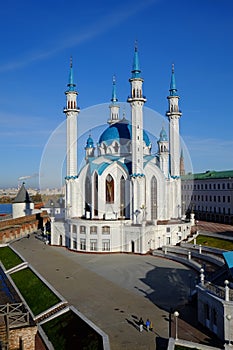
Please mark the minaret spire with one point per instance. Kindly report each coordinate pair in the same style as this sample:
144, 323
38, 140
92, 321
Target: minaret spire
71, 85
114, 95
114, 107
136, 72
173, 89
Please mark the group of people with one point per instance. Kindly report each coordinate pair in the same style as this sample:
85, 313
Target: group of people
148, 324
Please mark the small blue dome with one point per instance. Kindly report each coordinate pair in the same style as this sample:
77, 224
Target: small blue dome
121, 132
163, 135
90, 142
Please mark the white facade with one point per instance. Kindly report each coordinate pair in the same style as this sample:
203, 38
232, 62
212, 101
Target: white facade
125, 199
209, 195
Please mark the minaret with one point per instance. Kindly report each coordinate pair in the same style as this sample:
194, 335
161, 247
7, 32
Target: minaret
174, 115
137, 100
163, 152
114, 107
71, 110
90, 148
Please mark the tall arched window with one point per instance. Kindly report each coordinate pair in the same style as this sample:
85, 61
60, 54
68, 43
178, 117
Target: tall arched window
109, 188
88, 194
122, 196
154, 207
95, 194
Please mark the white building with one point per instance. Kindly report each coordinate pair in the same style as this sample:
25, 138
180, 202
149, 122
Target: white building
124, 199
209, 195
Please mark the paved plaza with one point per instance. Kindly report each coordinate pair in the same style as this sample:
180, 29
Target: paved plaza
115, 290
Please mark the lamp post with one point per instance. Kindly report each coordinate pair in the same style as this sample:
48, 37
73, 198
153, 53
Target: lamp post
52, 208
121, 211
137, 212
183, 209
179, 211
176, 315
228, 317
202, 277
143, 208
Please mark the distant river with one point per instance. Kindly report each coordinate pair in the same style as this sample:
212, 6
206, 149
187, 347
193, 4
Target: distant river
5, 208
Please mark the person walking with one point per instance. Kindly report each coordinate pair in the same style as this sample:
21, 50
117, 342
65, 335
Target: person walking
148, 325
141, 323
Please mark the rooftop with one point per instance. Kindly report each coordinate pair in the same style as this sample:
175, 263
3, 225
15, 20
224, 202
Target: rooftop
209, 174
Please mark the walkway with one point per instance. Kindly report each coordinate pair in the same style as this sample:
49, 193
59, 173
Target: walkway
114, 291
205, 226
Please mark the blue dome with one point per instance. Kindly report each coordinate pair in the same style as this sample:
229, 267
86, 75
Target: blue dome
120, 132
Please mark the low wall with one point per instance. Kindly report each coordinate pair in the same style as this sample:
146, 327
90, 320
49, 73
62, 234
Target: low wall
17, 228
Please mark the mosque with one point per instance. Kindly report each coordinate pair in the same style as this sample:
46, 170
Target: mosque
124, 198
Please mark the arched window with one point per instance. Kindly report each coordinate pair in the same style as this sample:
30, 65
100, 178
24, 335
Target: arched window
87, 194
96, 194
116, 147
154, 198
122, 196
105, 148
109, 188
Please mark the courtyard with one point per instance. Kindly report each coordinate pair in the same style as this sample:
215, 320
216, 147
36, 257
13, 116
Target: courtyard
115, 290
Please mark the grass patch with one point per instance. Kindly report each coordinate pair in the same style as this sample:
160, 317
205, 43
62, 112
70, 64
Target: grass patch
37, 295
9, 258
214, 242
68, 331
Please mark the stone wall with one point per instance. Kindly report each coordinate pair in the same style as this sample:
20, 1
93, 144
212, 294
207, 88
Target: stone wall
24, 337
20, 227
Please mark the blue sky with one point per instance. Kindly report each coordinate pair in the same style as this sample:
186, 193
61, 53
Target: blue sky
38, 38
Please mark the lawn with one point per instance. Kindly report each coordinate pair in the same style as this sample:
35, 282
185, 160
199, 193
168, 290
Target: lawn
8, 258
37, 295
69, 331
214, 242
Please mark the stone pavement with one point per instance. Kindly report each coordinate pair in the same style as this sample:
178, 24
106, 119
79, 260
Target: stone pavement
115, 290
205, 226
